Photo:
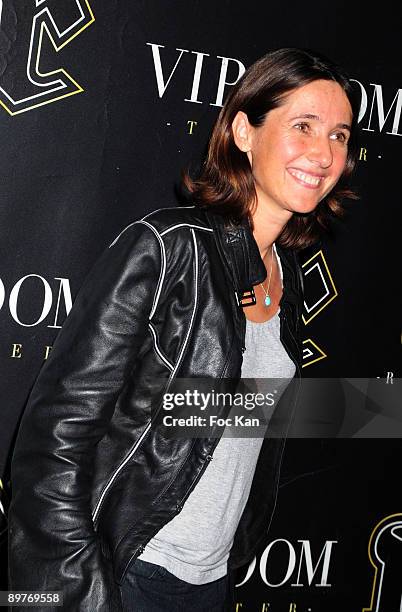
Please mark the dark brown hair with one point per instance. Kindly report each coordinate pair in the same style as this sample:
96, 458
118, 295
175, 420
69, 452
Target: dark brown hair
226, 182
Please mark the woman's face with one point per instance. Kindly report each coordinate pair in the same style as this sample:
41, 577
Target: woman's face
300, 151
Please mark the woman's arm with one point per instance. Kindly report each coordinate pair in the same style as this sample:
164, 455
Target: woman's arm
53, 545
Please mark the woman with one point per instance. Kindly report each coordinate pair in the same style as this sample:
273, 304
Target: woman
108, 509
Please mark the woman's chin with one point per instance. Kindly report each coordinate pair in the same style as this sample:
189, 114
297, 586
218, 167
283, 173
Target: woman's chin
305, 208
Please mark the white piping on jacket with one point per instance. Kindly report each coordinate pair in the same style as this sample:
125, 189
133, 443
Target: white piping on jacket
122, 232
192, 225
163, 253
163, 269
165, 208
155, 301
157, 349
117, 472
183, 348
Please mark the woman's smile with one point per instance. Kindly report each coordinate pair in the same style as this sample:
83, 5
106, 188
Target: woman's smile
311, 181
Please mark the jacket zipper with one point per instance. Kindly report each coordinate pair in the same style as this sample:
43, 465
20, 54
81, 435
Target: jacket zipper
179, 506
243, 332
298, 370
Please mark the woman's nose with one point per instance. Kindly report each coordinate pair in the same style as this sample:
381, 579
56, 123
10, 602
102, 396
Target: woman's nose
320, 152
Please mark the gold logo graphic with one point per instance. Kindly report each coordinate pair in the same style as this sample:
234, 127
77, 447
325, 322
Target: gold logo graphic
38, 87
311, 353
317, 274
385, 553
318, 278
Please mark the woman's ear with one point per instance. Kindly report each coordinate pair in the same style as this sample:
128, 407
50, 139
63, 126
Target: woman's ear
242, 133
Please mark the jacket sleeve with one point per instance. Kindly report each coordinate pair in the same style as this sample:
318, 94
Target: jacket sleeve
52, 542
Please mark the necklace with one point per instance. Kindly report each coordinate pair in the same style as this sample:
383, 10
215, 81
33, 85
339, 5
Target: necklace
267, 300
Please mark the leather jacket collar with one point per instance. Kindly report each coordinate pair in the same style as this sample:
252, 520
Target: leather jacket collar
239, 252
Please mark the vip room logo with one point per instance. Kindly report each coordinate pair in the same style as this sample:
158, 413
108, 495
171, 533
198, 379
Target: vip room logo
51, 301
380, 107
31, 35
300, 566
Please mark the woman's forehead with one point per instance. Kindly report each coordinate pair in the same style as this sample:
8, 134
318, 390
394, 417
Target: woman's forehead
319, 100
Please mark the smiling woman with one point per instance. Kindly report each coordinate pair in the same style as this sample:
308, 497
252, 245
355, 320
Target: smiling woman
299, 153
281, 154
106, 508
293, 118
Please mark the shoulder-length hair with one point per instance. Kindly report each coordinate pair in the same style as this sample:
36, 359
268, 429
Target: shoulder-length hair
226, 182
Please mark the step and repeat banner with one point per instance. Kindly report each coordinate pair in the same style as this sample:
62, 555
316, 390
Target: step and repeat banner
102, 104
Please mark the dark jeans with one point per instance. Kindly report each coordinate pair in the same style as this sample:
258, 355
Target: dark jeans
151, 588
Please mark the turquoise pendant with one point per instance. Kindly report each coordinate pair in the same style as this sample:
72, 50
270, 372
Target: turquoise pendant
267, 300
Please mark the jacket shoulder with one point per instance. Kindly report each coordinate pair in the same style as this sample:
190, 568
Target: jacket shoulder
166, 220
148, 232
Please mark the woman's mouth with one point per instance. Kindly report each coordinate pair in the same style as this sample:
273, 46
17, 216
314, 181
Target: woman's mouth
305, 179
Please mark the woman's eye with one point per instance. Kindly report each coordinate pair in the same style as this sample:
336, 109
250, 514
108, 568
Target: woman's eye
302, 127
340, 136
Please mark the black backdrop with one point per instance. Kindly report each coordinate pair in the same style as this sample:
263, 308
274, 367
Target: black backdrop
101, 106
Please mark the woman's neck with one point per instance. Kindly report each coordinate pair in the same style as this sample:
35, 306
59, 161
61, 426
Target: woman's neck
267, 228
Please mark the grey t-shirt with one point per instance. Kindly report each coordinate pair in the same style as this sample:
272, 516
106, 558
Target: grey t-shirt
195, 544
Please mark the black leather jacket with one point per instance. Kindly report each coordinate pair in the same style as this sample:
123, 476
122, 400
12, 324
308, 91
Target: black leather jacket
92, 482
